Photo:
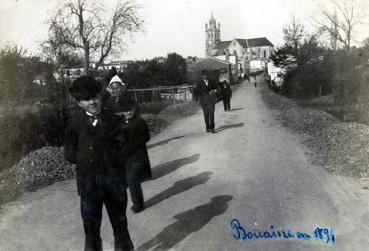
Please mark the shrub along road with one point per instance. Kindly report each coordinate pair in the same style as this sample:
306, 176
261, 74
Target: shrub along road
252, 169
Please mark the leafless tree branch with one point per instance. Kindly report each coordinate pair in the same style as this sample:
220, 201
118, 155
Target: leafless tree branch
79, 24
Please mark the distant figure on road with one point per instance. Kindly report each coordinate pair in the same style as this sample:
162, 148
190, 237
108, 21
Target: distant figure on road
248, 77
90, 144
255, 84
132, 136
205, 92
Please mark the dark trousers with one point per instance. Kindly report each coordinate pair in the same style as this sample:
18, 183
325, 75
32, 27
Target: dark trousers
135, 190
134, 179
227, 104
114, 196
208, 109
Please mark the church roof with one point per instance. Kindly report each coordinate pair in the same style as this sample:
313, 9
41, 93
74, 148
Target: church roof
222, 45
254, 42
246, 43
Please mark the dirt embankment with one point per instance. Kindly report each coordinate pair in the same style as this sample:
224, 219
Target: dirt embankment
340, 147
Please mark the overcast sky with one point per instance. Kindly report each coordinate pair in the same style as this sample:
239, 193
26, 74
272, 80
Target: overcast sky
171, 25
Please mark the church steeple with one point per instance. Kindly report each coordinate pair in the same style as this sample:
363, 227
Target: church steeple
212, 19
212, 35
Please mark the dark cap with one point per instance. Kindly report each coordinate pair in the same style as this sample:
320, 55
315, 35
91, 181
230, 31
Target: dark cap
123, 105
204, 72
85, 88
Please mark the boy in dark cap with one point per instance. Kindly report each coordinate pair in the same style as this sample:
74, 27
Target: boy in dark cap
90, 144
205, 92
133, 134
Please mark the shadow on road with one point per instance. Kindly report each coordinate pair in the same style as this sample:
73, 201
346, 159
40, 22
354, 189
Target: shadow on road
187, 222
179, 187
171, 166
225, 127
236, 109
163, 142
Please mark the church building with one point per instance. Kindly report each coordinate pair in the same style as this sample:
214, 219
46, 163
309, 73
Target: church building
237, 51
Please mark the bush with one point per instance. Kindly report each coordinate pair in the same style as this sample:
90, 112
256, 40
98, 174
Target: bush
27, 130
154, 107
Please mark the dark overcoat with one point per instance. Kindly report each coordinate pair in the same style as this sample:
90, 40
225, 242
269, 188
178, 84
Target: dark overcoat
133, 138
225, 89
206, 94
93, 149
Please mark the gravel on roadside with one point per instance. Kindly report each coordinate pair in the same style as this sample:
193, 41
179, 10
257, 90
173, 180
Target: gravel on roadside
340, 147
47, 165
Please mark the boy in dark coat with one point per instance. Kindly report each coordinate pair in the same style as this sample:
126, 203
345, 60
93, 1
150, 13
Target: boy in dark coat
133, 134
90, 144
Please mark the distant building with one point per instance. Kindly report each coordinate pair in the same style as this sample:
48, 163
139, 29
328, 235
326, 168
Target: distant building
215, 67
119, 65
192, 60
237, 51
161, 59
41, 79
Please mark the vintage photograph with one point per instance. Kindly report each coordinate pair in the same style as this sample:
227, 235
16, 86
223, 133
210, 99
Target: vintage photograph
186, 125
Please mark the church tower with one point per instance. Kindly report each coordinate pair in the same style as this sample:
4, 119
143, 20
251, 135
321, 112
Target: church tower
212, 35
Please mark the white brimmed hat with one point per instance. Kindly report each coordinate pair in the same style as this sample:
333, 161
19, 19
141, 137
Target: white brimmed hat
116, 79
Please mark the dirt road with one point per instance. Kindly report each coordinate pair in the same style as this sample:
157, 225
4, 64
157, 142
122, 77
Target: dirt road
252, 170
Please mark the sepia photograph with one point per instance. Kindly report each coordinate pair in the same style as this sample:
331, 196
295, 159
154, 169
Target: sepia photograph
184, 125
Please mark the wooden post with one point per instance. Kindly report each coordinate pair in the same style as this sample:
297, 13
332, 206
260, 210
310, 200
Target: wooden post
174, 100
134, 93
153, 99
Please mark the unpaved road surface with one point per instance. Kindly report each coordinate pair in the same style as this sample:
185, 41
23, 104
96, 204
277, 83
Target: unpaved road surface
252, 169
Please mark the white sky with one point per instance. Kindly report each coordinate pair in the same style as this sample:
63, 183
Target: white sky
171, 25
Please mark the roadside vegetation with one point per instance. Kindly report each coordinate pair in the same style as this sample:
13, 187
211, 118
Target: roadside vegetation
324, 69
34, 99
340, 147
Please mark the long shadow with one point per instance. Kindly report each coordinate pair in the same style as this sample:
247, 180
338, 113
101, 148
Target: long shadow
236, 109
168, 167
163, 142
187, 222
179, 187
225, 127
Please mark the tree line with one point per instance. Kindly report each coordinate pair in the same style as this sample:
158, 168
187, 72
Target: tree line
325, 61
79, 31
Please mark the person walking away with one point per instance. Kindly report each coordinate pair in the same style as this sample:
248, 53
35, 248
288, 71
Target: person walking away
205, 93
133, 134
248, 78
90, 144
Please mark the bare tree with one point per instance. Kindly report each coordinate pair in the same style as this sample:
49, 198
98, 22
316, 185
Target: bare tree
365, 43
340, 20
293, 34
79, 26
